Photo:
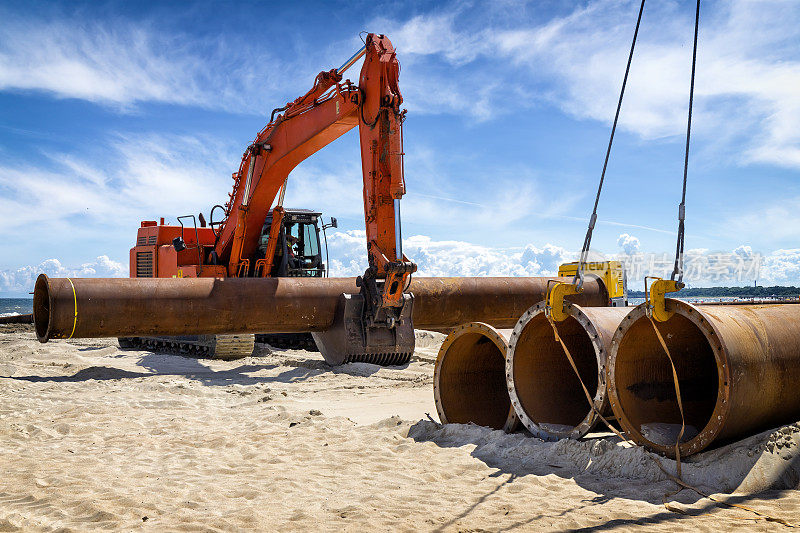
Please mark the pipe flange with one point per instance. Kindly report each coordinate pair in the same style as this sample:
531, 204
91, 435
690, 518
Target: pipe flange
512, 421
541, 429
710, 431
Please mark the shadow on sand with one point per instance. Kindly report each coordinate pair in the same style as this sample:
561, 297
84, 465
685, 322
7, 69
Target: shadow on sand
160, 364
520, 455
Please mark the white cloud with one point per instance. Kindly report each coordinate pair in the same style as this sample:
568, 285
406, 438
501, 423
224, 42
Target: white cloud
69, 200
436, 200
706, 268
116, 63
473, 60
153, 174
120, 63
743, 251
20, 281
435, 34
457, 258
66, 204
450, 258
782, 267
629, 244
703, 268
747, 79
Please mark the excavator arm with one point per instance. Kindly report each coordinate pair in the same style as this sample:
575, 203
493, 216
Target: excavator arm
329, 110
308, 124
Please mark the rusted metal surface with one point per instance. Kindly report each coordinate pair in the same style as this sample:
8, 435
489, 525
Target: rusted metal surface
543, 387
738, 371
95, 307
469, 380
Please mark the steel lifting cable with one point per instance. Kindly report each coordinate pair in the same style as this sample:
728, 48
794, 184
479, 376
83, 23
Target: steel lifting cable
678, 269
578, 280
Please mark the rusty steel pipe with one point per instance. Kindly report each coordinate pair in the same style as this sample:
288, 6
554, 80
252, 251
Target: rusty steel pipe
469, 379
543, 387
128, 307
738, 372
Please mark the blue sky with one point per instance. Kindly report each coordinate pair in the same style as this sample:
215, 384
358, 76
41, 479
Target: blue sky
112, 113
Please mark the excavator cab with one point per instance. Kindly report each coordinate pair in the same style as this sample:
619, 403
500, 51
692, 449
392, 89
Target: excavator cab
298, 252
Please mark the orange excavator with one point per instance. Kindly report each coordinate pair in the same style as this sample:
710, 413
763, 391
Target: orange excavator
256, 236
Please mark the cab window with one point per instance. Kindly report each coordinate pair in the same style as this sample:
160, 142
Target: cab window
310, 241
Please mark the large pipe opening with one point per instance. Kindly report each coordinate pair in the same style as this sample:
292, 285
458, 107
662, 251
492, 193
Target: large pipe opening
41, 307
644, 384
547, 389
470, 381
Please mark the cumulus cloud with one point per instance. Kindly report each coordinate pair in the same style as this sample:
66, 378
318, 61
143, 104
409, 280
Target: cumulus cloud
348, 257
708, 268
702, 267
20, 281
782, 267
450, 258
629, 244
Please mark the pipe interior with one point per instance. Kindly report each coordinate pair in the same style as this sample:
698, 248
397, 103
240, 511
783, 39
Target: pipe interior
41, 307
645, 385
472, 382
549, 392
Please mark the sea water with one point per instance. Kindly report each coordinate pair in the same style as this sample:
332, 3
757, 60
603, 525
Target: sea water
16, 306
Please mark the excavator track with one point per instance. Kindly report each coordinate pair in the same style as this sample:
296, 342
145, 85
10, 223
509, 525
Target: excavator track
288, 341
230, 347
225, 347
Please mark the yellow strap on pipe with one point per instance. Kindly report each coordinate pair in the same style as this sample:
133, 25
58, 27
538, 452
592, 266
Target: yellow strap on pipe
583, 386
677, 394
75, 302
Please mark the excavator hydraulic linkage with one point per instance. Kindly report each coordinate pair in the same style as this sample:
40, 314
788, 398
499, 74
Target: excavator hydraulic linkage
374, 325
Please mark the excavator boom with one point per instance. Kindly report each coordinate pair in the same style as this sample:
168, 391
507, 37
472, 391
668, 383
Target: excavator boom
378, 320
329, 110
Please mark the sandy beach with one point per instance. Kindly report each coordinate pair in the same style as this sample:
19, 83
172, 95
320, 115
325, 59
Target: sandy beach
98, 438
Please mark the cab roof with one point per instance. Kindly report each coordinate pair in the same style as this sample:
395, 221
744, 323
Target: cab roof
297, 211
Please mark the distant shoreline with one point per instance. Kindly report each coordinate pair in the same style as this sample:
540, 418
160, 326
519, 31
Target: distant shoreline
15, 306
732, 292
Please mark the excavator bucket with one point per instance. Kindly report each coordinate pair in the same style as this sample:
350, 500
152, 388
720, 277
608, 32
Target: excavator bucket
352, 339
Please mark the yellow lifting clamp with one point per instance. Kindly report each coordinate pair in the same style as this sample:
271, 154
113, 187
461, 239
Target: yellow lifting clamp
656, 297
555, 300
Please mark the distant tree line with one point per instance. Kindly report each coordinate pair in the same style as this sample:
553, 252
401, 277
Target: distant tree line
736, 292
